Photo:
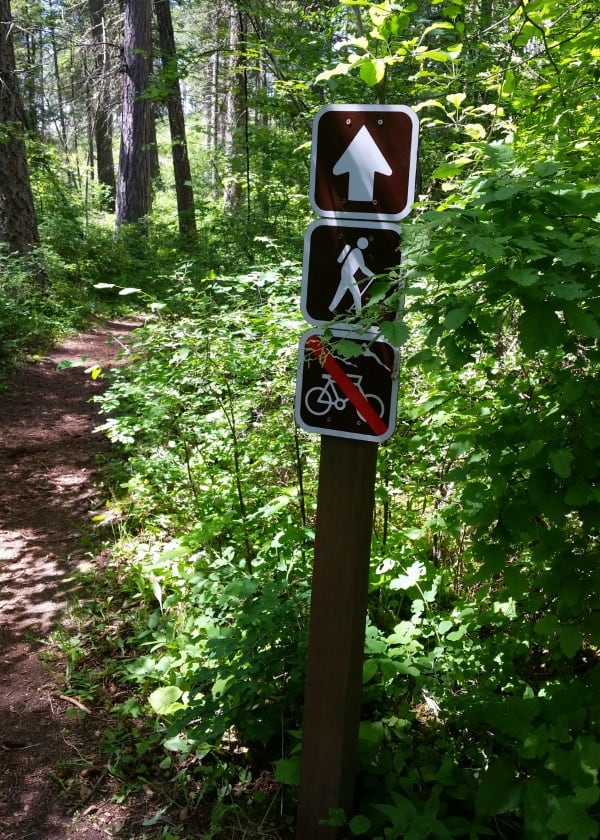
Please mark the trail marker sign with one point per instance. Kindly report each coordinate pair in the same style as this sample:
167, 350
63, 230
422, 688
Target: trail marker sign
363, 161
363, 167
347, 397
342, 263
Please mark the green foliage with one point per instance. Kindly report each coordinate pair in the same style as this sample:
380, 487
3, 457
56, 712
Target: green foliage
481, 673
193, 410
192, 413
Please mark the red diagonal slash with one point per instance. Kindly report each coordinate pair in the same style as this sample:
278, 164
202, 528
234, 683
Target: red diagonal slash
346, 385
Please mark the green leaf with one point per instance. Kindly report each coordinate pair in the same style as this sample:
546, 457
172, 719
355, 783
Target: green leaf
156, 589
524, 276
579, 493
447, 170
164, 699
434, 55
371, 732
359, 825
499, 791
348, 348
571, 819
370, 668
222, 685
561, 461
396, 332
429, 103
456, 99
372, 72
540, 329
582, 322
455, 318
287, 771
413, 575
341, 69
158, 816
442, 24
570, 640
547, 625
587, 795
491, 246
179, 743
508, 85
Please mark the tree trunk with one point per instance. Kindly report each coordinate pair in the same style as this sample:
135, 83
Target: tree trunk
181, 163
18, 224
102, 112
237, 113
134, 195
60, 121
152, 146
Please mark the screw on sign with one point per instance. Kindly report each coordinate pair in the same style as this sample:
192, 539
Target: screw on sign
363, 162
332, 396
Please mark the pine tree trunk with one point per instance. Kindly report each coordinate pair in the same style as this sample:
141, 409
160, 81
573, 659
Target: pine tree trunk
18, 224
134, 195
236, 115
181, 163
102, 113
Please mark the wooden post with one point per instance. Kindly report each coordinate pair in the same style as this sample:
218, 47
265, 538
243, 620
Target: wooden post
336, 633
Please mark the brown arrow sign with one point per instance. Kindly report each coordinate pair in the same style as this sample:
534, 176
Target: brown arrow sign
364, 160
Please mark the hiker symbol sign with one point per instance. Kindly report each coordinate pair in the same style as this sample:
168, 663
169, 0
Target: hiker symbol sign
344, 264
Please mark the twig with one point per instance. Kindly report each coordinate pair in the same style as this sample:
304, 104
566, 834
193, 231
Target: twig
75, 702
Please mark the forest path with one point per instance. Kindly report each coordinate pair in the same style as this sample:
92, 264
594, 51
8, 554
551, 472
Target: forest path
48, 493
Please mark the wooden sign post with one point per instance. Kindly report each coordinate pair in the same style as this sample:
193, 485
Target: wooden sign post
362, 178
336, 635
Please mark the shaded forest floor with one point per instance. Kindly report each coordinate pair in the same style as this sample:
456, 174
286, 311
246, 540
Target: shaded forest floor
52, 783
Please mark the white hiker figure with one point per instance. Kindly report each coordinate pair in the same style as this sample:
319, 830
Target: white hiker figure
352, 261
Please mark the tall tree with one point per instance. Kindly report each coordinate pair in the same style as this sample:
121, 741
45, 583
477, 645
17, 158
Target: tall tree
181, 163
134, 194
102, 111
18, 223
236, 117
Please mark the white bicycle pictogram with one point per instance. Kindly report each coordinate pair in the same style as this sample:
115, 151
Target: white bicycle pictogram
322, 398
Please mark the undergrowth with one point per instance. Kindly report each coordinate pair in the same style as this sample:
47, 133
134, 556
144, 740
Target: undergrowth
481, 672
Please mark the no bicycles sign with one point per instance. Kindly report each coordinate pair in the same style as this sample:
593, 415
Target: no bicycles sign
351, 397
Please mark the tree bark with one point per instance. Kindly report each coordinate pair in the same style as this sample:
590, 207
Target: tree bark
181, 163
102, 111
18, 223
236, 125
134, 195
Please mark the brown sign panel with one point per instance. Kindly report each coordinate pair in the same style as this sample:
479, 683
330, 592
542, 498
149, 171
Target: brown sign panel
352, 397
343, 263
364, 161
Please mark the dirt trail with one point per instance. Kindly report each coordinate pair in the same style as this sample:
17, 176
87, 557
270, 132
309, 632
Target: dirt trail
47, 495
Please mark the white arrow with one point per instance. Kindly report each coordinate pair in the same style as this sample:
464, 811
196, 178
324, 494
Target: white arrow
361, 160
